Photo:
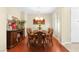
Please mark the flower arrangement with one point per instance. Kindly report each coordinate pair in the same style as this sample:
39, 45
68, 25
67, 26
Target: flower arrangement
15, 23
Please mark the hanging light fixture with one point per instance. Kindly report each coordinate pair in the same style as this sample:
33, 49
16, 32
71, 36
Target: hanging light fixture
39, 21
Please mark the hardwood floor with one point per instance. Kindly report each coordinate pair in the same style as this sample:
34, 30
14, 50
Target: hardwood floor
22, 47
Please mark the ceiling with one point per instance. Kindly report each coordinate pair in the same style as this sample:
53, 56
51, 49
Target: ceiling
41, 10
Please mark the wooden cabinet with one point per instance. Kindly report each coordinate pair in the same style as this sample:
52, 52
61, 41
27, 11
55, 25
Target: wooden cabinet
13, 38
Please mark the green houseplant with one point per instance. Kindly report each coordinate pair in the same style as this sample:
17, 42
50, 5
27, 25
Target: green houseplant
22, 22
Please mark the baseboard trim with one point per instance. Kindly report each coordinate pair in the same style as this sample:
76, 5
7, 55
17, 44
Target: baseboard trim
3, 50
75, 42
66, 43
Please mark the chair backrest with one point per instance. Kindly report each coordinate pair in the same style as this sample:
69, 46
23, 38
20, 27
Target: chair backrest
50, 30
29, 30
39, 36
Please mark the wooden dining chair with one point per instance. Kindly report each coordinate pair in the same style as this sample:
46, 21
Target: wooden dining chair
40, 39
30, 37
49, 36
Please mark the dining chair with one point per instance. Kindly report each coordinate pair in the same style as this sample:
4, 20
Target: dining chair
49, 36
30, 37
40, 38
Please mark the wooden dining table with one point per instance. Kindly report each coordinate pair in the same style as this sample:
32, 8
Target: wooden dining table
40, 40
43, 31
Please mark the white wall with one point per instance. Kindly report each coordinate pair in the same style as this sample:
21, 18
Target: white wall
66, 25
62, 15
75, 24
47, 18
2, 29
13, 11
25, 18
56, 22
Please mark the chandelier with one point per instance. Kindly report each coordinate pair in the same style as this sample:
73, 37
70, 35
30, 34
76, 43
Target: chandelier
39, 21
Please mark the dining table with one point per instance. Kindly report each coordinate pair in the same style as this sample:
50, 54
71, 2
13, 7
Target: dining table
40, 38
